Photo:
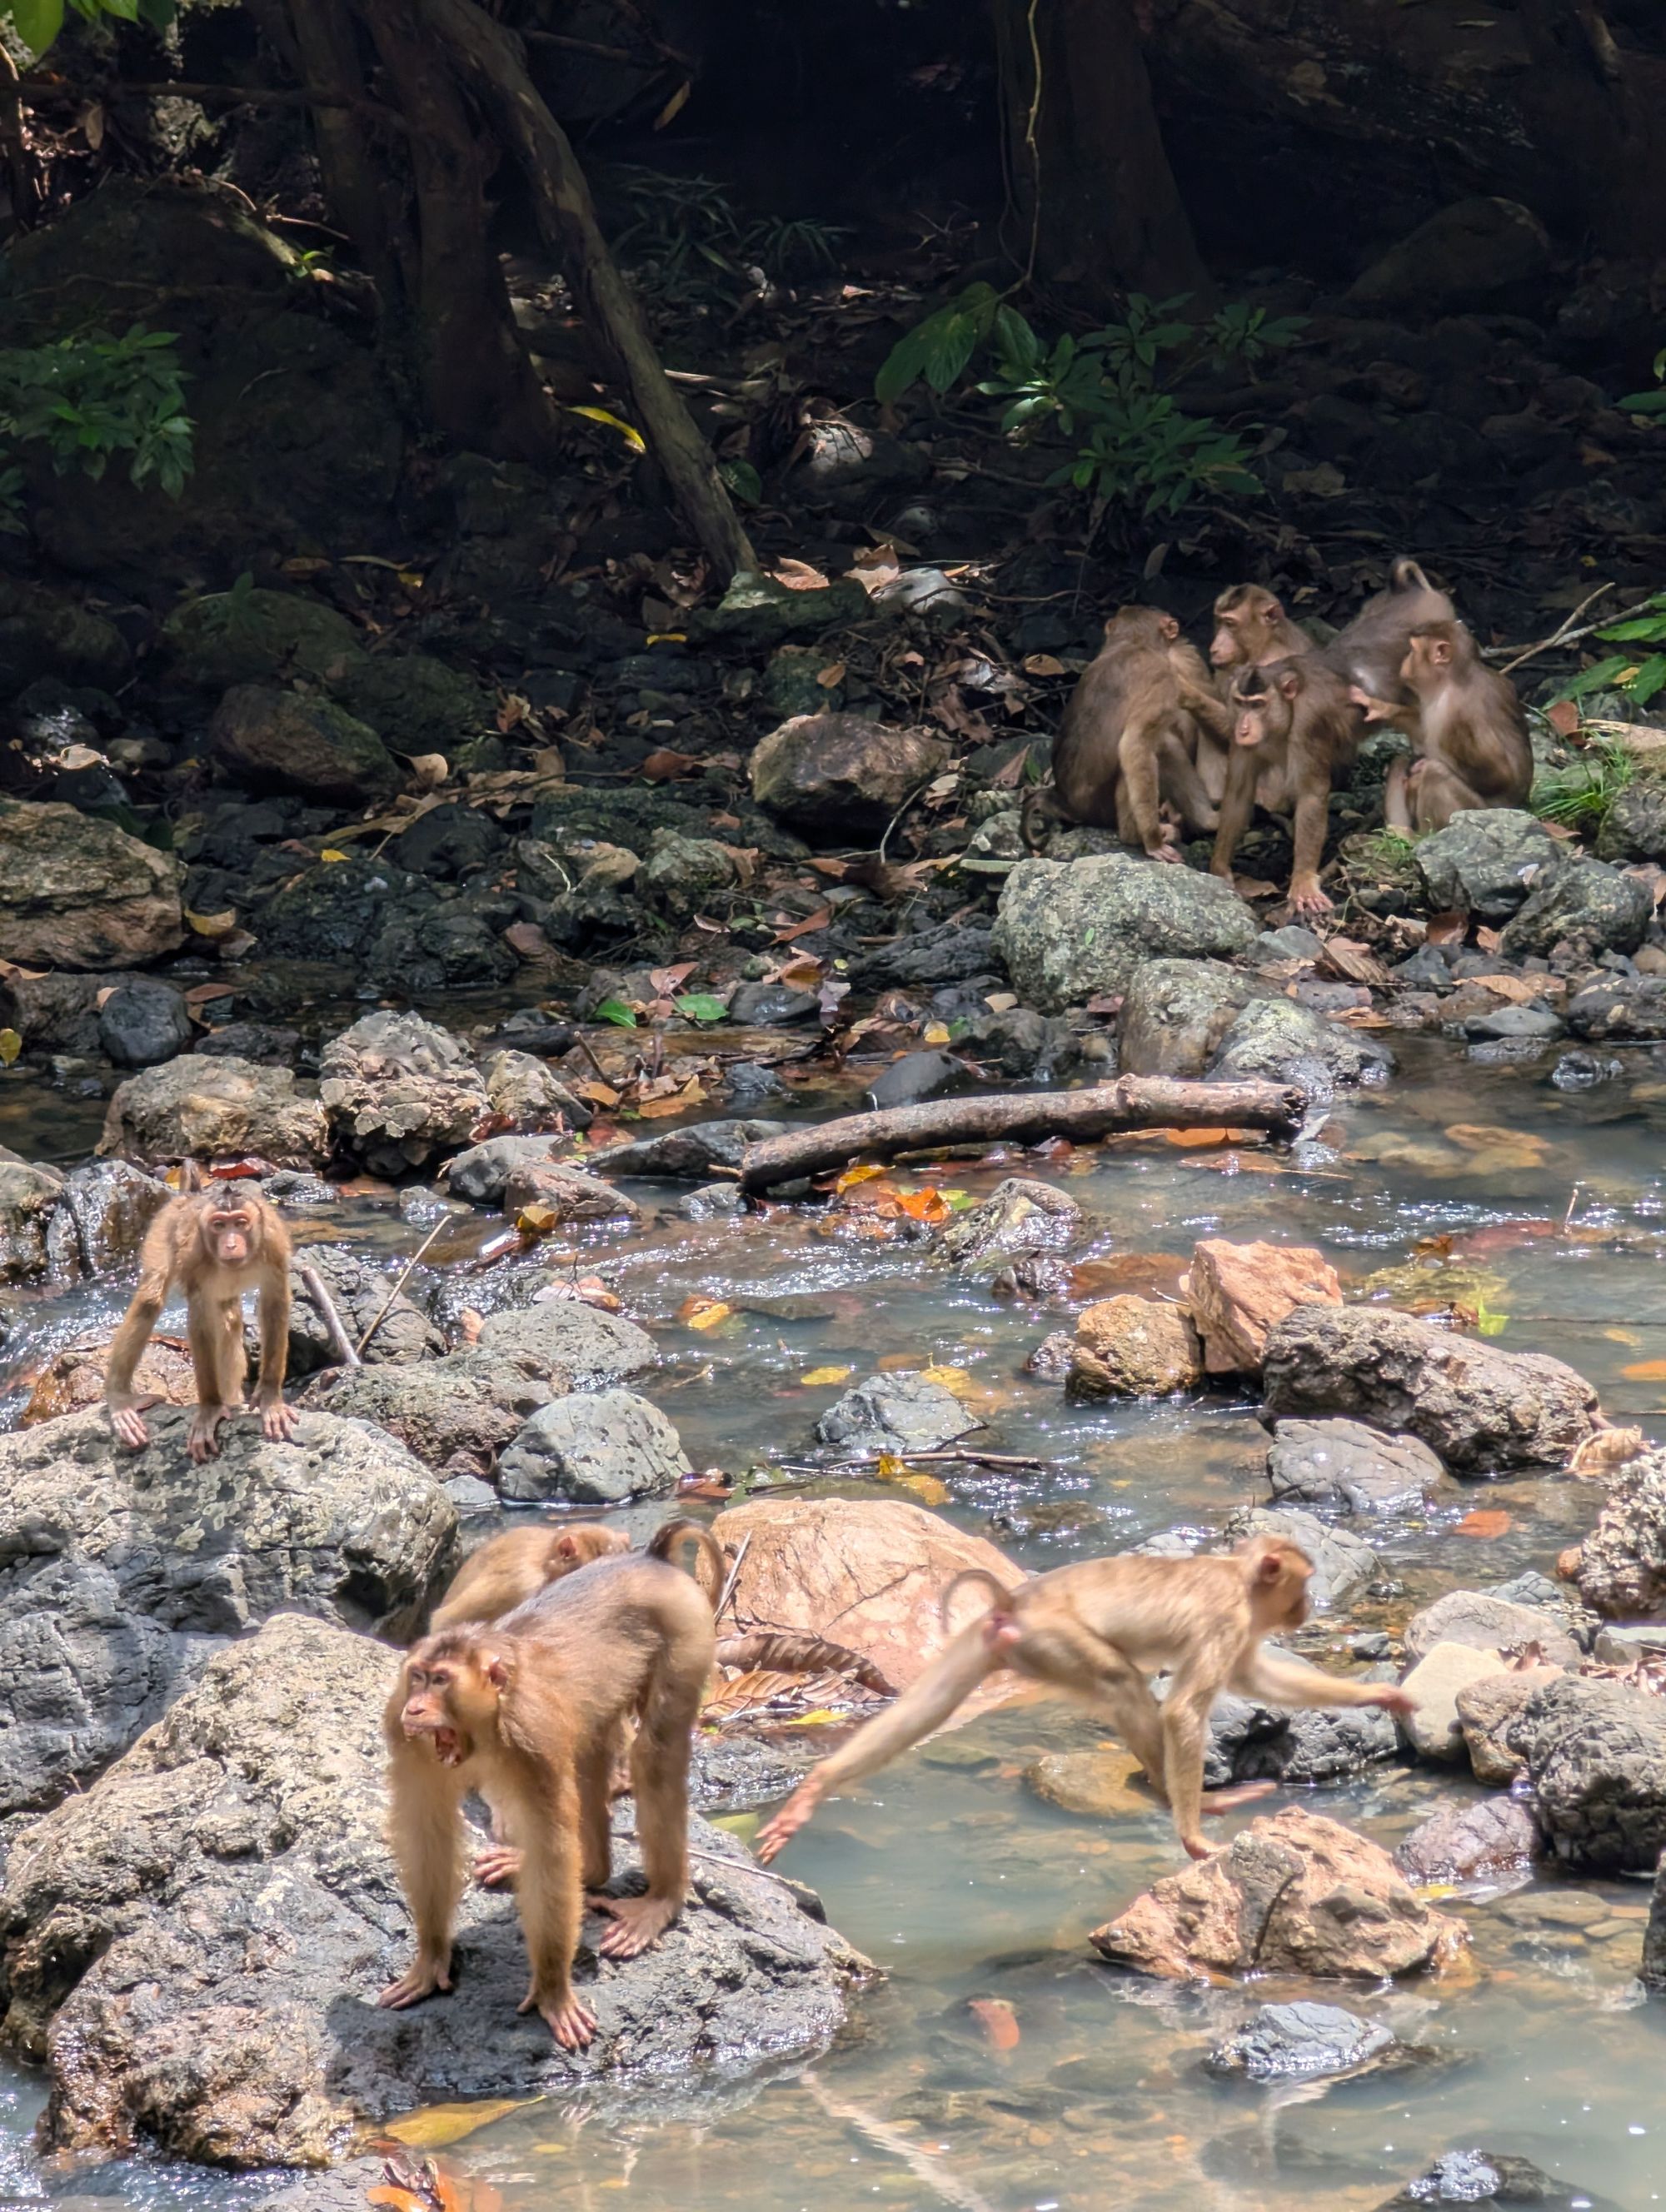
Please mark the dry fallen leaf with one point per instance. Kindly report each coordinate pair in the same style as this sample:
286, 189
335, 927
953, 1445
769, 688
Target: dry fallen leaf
1646, 1370
432, 2127
1608, 1449
1484, 1521
662, 765
704, 1313
822, 1377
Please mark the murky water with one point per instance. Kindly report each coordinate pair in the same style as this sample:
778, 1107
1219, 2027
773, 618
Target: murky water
1544, 1210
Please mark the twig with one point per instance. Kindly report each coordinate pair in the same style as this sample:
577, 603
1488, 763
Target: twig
388, 1302
1567, 634
312, 1283
1573, 1201
728, 1591
1023, 1459
584, 1046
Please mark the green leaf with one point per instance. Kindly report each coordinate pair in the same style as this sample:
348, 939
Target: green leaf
1596, 679
950, 348
37, 22
1643, 631
902, 366
617, 1012
742, 480
10, 1045
1650, 678
701, 1006
1018, 343
1644, 403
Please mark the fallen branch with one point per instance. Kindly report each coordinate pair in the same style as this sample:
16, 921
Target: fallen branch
312, 1283
388, 1302
798, 1651
1131, 1102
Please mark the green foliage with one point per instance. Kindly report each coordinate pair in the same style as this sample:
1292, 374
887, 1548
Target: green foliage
687, 241
617, 1012
1650, 403
700, 1007
38, 22
86, 398
1636, 677
1579, 795
1108, 392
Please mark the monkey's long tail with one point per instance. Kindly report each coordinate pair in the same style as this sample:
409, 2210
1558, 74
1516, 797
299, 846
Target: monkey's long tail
1405, 575
1000, 1598
669, 1539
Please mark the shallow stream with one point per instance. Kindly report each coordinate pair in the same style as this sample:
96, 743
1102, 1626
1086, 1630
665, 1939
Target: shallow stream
1544, 1211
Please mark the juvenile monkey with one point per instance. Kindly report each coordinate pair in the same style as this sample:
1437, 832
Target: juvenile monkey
1128, 742
1369, 652
1294, 725
1251, 626
214, 1244
530, 1711
510, 1568
1467, 731
1095, 1632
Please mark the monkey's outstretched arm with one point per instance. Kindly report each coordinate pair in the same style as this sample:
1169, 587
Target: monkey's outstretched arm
1279, 1680
945, 1685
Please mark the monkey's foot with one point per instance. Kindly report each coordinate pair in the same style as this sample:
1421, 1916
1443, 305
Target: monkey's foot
128, 1422
565, 2018
1216, 1802
498, 1864
1308, 898
1195, 1847
203, 1443
278, 1422
638, 1924
422, 1981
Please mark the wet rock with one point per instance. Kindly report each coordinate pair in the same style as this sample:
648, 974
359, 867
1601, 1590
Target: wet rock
914, 1076
1252, 1742
767, 1005
1298, 2042
1478, 1407
359, 1291
398, 1089
1486, 862
1622, 1563
143, 1022
530, 1094
29, 1199
421, 951
894, 1413
1487, 1710
118, 1563
262, 1041
566, 1193
1175, 1013
1486, 1623
72, 1381
759, 612
1584, 1071
449, 840
681, 874
47, 635
1595, 1753
1130, 1347
1634, 827
1631, 1008
1239, 1292
1094, 1784
1465, 1842
1469, 253
455, 1414
686, 1155
338, 910
1347, 1465
1475, 2177
103, 1211
1282, 1043
713, 1202
194, 1107
481, 1173
1289, 1894
77, 892
1342, 1562
1019, 1218
248, 637
274, 740
588, 1349
1534, 1025
596, 1448
194, 1947
1067, 932
1584, 904
868, 1572
840, 776
1433, 1729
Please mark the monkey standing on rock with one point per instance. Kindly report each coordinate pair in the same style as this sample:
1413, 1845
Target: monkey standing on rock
1094, 1632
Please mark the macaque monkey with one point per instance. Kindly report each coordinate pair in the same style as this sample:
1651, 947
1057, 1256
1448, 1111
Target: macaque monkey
1370, 651
213, 1244
1293, 728
1095, 1632
510, 1568
1251, 628
529, 1710
1128, 742
1467, 731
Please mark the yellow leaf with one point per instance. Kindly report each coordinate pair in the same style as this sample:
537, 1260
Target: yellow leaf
411, 579
212, 925
536, 1220
634, 439
818, 1718
330, 852
667, 637
934, 1033
704, 1313
926, 1487
11, 1044
817, 1375
852, 1176
674, 106
1622, 1336
432, 2127
951, 1378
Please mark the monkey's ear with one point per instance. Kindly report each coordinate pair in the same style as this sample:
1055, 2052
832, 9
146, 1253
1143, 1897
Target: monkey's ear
1440, 651
1290, 683
495, 1673
1167, 625
566, 1548
1271, 1568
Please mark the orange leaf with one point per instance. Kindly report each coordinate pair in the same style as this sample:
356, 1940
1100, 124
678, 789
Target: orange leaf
819, 920
396, 2200
1646, 1370
925, 1206
662, 765
865, 1171
999, 2021
1484, 1521
704, 1313
1450, 928
1189, 1139
1564, 717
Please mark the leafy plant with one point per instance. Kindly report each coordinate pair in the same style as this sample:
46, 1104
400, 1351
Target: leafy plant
1636, 677
686, 239
88, 398
1579, 795
38, 22
1650, 403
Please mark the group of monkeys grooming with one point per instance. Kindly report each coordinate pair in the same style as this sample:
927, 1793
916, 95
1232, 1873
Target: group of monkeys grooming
1156, 747
559, 1654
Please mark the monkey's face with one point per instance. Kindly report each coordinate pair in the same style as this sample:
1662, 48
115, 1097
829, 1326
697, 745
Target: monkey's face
1224, 648
452, 1704
228, 1234
1244, 620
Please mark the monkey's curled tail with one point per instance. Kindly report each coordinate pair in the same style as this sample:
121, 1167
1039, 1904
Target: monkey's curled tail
1407, 576
1000, 1598
712, 1568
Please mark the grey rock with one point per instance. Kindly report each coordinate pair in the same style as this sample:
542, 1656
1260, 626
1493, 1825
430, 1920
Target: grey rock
915, 1076
1463, 1843
952, 953
103, 1211
454, 1414
1622, 1563
1488, 1624
143, 1022
562, 1338
1278, 1040
1276, 946
1530, 1024
1286, 2042
1070, 930
687, 1155
1486, 862
1596, 1754
1342, 1562
236, 1910
1175, 1013
595, 1447
1631, 1008
1616, 1646
480, 1173
194, 1107
1634, 827
1586, 904
1020, 1218
530, 1094
358, 1291
1477, 2176
1471, 253
842, 776
757, 611
1487, 1710
76, 891
713, 1202
29, 1199
1654, 1938
1477, 1407
894, 1413
1344, 1465
767, 1005
565, 1193
1252, 1742
215, 642
114, 1562
681, 874
398, 1089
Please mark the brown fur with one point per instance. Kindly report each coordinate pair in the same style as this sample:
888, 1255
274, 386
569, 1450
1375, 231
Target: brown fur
1294, 727
1370, 650
1468, 734
508, 1568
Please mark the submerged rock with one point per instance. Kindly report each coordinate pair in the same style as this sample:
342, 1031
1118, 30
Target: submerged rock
201, 1108
118, 1563
1343, 1464
1296, 2042
397, 1088
1488, 2176
894, 1413
1289, 1894
593, 1448
1020, 1218
1464, 1843
77, 892
1252, 1742
1239, 1292
1621, 1565
194, 1947
1479, 1408
1071, 931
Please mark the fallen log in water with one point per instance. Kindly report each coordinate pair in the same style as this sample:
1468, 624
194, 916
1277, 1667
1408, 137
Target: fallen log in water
1025, 1117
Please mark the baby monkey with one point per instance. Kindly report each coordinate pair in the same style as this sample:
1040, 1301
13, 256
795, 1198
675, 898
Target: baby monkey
508, 1568
1095, 1632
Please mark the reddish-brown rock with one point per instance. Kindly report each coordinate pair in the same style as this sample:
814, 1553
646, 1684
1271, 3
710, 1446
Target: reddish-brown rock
1239, 1292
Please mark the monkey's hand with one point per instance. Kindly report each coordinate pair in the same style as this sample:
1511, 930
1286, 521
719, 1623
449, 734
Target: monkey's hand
424, 1977
203, 1440
1164, 851
565, 2017
128, 1422
1390, 1696
279, 1422
773, 1838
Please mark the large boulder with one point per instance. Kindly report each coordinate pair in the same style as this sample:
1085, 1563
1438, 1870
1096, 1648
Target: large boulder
1433, 1728
1486, 1623
1289, 1894
273, 740
575, 1346
359, 1293
836, 777
1486, 862
77, 892
1487, 1710
1237, 1292
397, 1088
1071, 931
117, 1563
193, 1947
1628, 1008
251, 635
1342, 1563
218, 1108
1584, 904
1473, 252
1621, 1565
1276, 1041
1479, 1408
1175, 1013
455, 1414
1595, 1753
593, 1448
1348, 1468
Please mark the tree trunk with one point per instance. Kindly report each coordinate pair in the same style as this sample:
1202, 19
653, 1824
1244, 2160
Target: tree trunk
478, 382
496, 63
1098, 204
1598, 111
325, 54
